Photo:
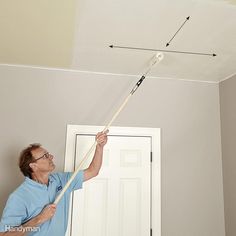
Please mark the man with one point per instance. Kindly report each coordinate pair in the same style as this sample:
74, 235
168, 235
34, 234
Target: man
30, 209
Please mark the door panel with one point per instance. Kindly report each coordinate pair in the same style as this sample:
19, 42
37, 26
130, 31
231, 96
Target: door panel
117, 201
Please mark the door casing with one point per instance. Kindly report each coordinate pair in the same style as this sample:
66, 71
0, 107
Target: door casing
153, 133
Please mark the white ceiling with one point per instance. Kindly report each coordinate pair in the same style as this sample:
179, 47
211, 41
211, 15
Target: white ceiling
151, 24
76, 34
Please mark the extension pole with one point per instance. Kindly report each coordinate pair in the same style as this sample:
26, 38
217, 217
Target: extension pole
157, 58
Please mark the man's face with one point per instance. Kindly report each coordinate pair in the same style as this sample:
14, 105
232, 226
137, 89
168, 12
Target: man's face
43, 160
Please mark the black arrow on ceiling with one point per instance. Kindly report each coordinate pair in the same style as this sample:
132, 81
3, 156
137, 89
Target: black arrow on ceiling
187, 18
161, 50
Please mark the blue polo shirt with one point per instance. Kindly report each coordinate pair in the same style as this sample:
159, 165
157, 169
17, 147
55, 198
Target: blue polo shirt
28, 200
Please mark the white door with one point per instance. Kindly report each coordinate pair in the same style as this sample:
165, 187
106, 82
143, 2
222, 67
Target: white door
124, 199
117, 201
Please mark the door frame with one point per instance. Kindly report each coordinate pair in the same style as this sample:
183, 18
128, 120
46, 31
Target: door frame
153, 133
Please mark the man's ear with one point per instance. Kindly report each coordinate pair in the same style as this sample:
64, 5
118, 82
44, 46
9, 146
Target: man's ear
32, 166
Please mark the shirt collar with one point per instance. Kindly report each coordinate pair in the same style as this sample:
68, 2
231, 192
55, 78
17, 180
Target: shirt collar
36, 184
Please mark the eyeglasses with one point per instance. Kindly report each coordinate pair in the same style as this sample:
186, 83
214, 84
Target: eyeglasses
45, 156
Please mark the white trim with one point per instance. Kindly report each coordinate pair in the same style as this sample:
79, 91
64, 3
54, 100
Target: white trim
228, 77
154, 133
106, 73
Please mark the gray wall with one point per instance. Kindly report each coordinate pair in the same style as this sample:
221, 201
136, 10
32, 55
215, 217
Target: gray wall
228, 131
36, 105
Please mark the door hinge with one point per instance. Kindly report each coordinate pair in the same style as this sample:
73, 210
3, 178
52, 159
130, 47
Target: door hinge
151, 156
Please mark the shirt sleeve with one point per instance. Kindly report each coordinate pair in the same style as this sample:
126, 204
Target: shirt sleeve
13, 214
77, 183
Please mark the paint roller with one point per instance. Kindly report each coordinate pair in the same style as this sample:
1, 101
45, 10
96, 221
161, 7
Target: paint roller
154, 60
